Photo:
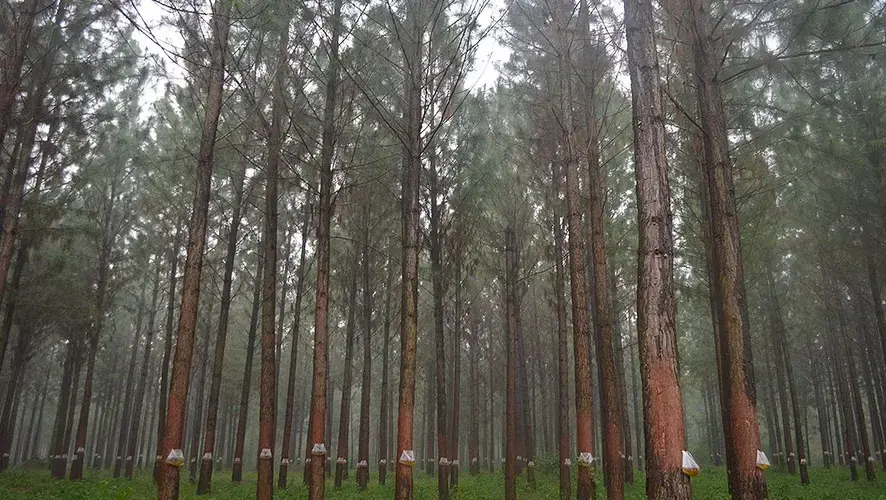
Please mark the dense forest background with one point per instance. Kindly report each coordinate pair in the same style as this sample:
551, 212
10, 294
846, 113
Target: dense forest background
303, 238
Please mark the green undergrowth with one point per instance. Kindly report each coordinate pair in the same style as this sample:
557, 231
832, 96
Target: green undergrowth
21, 483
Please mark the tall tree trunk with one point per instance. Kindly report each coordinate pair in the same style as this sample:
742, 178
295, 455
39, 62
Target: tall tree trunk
172, 440
384, 416
511, 366
439, 287
742, 432
656, 310
626, 452
127, 398
246, 387
204, 484
613, 473
95, 332
777, 325
319, 403
10, 403
288, 446
267, 419
580, 316
860, 422
167, 350
562, 340
474, 410
410, 187
366, 382
491, 386
344, 422
143, 376
456, 377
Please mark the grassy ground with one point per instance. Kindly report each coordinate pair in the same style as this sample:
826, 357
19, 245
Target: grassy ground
710, 485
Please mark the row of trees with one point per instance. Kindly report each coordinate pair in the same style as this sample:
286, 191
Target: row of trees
301, 131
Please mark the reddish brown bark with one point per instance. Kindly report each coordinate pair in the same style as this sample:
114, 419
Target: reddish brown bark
738, 390
181, 368
656, 310
167, 351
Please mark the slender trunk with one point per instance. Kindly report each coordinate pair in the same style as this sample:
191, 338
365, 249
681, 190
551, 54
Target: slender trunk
246, 388
101, 295
780, 332
603, 313
127, 398
344, 427
143, 375
269, 374
197, 420
288, 446
366, 382
168, 487
474, 410
10, 403
384, 416
657, 337
511, 366
562, 341
860, 422
319, 403
410, 209
491, 386
626, 457
204, 484
439, 289
167, 351
580, 316
456, 378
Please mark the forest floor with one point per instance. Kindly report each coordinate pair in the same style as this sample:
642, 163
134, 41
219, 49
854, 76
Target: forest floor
18, 483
